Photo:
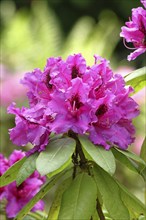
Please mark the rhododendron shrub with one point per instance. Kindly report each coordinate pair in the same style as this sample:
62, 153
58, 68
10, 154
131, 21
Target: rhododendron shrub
79, 123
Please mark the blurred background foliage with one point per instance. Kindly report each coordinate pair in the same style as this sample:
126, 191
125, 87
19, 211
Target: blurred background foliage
33, 30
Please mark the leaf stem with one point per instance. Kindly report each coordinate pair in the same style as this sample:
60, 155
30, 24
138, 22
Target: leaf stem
75, 162
99, 210
79, 151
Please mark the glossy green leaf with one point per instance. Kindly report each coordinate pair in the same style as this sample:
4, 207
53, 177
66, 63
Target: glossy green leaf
133, 157
26, 169
79, 200
134, 205
102, 157
137, 79
57, 153
10, 175
54, 210
123, 159
110, 192
43, 191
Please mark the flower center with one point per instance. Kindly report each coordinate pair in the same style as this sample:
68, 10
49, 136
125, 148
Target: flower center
75, 102
75, 72
47, 81
101, 110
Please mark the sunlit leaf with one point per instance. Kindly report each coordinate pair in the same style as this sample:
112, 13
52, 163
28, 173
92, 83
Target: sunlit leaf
26, 169
110, 192
57, 153
137, 79
79, 200
102, 157
10, 175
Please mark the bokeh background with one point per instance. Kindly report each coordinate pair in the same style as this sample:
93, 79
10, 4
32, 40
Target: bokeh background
33, 30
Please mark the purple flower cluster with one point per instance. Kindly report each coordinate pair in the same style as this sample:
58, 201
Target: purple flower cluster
69, 95
17, 197
135, 31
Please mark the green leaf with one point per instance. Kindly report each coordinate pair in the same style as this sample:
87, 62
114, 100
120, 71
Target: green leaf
43, 191
137, 79
63, 167
102, 157
26, 169
57, 153
143, 150
125, 160
133, 157
110, 192
95, 216
79, 200
35, 216
134, 205
54, 210
10, 175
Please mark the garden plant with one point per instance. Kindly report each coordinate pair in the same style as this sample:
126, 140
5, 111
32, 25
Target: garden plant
79, 124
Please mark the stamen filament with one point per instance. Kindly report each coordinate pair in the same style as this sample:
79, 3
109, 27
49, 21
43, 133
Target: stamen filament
130, 48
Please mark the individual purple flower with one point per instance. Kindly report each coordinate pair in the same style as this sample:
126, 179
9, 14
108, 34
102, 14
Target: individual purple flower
30, 127
135, 32
17, 197
73, 109
37, 87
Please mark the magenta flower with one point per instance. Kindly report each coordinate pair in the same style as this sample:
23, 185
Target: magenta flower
135, 31
17, 197
71, 108
112, 111
144, 3
69, 95
29, 127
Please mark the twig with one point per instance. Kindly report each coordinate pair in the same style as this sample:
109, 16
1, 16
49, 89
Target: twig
99, 210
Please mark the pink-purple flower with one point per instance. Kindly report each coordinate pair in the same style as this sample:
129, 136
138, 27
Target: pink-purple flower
135, 32
70, 95
17, 197
144, 3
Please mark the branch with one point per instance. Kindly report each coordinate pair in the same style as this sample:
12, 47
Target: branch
99, 210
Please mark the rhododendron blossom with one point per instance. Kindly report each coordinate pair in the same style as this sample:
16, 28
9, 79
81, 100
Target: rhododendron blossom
18, 197
144, 3
69, 95
135, 31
